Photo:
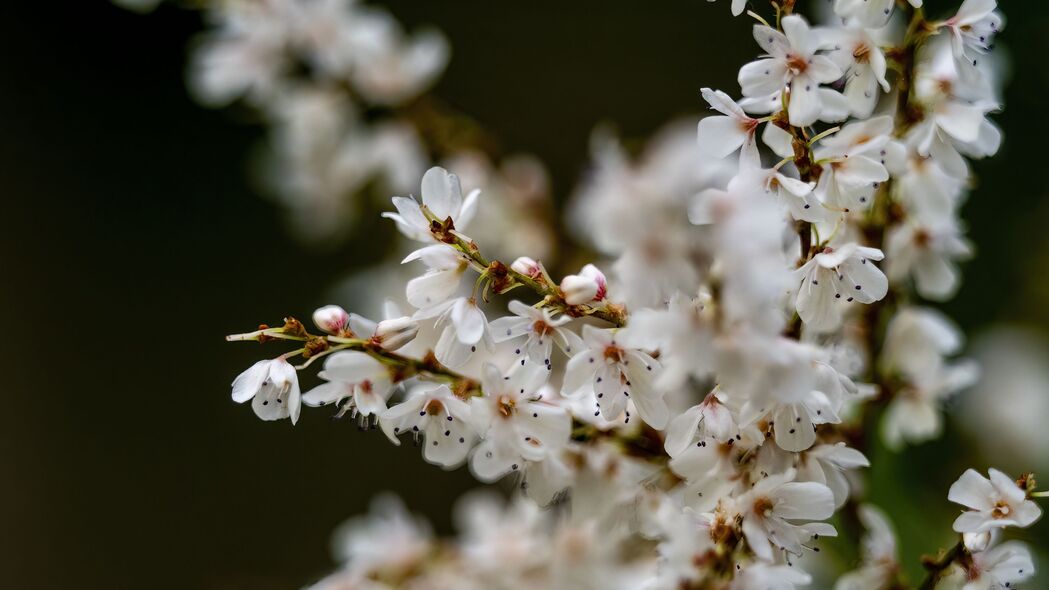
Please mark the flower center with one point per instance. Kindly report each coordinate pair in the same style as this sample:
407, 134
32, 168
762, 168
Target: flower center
506, 406
614, 353
763, 506
862, 53
433, 407
541, 328
798, 65
1001, 509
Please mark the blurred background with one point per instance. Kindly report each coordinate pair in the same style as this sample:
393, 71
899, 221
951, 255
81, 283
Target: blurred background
135, 239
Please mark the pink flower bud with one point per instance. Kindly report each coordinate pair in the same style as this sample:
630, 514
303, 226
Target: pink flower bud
394, 333
332, 319
592, 272
527, 267
578, 289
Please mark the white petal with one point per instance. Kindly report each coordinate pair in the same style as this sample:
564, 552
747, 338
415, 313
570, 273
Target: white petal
720, 136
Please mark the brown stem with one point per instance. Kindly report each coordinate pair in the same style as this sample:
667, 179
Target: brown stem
937, 567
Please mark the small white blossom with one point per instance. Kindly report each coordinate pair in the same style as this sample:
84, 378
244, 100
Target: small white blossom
540, 330
273, 387
1001, 567
356, 376
445, 268
616, 375
791, 60
779, 512
463, 326
734, 130
514, 424
878, 552
332, 319
929, 254
442, 198
439, 418
837, 276
393, 332
589, 285
993, 503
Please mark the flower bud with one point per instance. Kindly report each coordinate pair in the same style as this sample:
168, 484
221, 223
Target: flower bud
527, 266
394, 333
977, 542
332, 319
592, 272
578, 289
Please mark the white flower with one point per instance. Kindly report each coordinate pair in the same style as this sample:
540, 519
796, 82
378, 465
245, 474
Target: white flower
442, 198
439, 417
355, 375
332, 319
913, 414
854, 163
837, 276
616, 375
775, 510
589, 285
974, 27
928, 253
710, 418
393, 332
709, 470
1000, 568
684, 335
515, 426
870, 13
721, 136
527, 266
878, 551
827, 464
997, 502
858, 54
445, 267
387, 539
792, 60
273, 387
389, 67
917, 340
463, 327
540, 331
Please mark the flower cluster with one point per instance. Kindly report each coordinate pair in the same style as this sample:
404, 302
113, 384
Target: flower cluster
695, 416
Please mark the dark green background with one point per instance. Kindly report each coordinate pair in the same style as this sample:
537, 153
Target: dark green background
132, 241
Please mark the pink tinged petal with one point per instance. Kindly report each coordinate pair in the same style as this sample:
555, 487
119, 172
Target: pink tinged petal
762, 78
441, 193
804, 108
804, 501
972, 490
721, 136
